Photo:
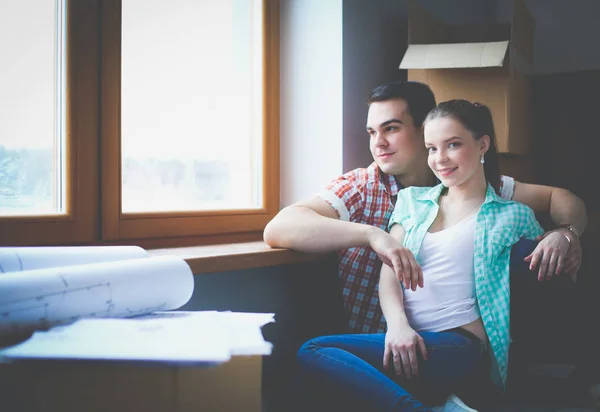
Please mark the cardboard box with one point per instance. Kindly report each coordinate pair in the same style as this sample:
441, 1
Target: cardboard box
97, 386
481, 63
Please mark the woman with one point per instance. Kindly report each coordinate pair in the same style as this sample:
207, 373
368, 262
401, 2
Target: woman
449, 331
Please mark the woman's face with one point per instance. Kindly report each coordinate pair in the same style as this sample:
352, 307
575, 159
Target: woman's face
454, 154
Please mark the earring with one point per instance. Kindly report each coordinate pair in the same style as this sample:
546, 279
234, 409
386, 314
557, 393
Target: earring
482, 160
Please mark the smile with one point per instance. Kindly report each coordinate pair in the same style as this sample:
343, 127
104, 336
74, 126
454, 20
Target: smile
446, 172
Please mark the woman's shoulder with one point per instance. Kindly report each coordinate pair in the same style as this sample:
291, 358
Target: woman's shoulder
420, 192
507, 211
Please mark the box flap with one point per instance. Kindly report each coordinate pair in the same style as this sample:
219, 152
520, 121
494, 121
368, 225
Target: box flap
457, 55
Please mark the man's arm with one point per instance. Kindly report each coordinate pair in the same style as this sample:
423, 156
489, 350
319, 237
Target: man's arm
313, 225
564, 207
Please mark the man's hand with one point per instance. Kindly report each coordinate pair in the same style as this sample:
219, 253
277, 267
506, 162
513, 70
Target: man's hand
399, 258
555, 255
401, 343
573, 258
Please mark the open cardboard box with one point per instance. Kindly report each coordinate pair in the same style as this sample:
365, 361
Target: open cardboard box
481, 63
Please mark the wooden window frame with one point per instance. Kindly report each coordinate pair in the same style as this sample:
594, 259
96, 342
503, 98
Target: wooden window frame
80, 222
120, 226
93, 150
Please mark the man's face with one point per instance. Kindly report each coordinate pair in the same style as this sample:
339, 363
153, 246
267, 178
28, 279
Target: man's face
396, 145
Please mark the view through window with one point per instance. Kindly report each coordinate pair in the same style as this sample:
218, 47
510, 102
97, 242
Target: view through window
32, 107
191, 105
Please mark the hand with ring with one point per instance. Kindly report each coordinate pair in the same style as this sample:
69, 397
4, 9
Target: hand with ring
401, 346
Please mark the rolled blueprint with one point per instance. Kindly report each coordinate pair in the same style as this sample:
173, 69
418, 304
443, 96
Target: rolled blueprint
41, 298
18, 259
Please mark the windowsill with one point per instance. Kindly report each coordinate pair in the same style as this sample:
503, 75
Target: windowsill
236, 256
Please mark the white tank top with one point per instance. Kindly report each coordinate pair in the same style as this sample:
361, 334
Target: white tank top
448, 299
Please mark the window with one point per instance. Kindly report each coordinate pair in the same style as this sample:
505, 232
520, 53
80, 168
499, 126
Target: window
32, 145
163, 123
48, 132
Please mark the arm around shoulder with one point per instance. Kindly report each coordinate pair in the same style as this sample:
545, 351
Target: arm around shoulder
564, 207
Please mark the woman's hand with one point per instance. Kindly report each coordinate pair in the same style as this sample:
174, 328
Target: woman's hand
400, 259
401, 345
551, 255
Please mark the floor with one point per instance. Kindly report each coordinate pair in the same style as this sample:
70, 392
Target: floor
547, 388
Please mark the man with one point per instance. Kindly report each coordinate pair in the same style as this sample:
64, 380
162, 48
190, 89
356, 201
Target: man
351, 216
352, 213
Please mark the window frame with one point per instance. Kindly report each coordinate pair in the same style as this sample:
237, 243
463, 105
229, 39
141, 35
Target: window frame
79, 222
93, 166
117, 225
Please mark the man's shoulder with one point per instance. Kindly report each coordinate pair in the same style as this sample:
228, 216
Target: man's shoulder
507, 187
361, 175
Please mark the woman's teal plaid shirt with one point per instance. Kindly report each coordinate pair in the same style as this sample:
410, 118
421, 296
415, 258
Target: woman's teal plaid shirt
500, 224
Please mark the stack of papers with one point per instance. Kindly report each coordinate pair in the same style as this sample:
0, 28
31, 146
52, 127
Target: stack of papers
165, 337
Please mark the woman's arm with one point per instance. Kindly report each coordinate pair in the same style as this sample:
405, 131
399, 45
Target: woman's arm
401, 341
391, 295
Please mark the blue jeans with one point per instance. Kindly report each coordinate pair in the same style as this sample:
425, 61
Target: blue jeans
347, 371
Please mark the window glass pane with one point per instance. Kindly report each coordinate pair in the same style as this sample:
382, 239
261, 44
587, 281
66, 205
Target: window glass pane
191, 105
32, 139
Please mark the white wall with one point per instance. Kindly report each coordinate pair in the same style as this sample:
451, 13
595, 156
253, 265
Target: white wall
333, 52
311, 96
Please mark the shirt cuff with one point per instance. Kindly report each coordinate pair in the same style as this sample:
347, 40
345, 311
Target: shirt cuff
507, 190
337, 203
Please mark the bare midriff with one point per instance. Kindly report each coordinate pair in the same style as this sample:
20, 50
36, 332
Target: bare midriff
476, 327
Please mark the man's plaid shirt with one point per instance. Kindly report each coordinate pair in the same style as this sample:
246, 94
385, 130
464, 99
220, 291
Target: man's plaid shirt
367, 196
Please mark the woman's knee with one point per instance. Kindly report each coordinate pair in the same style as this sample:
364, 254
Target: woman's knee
313, 345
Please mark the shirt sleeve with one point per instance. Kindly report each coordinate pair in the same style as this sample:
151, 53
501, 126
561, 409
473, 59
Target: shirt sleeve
507, 187
532, 228
344, 195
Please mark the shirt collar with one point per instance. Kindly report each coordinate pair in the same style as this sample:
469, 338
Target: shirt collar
434, 193
389, 181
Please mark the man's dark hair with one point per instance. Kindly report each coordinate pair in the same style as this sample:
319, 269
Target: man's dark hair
418, 96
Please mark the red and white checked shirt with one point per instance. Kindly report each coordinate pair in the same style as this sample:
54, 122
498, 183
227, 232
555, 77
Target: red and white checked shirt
368, 196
